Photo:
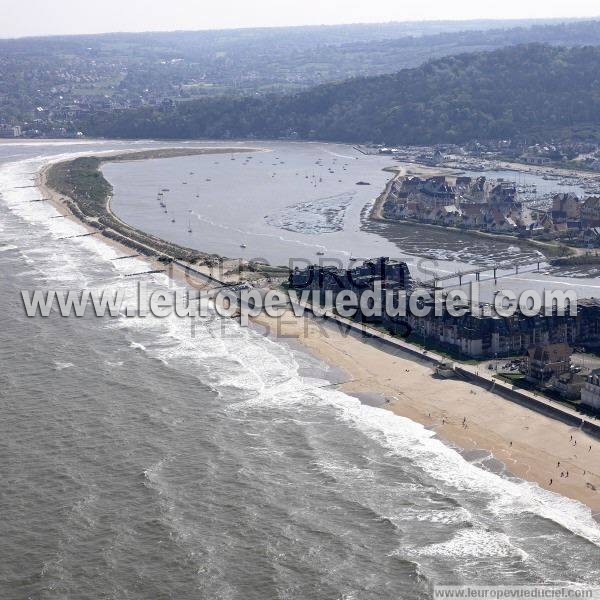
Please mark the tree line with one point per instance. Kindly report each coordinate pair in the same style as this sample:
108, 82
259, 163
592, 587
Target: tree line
510, 92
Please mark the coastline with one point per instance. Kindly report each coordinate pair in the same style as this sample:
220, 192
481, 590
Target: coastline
86, 193
529, 444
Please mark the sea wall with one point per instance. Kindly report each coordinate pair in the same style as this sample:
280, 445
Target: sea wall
540, 406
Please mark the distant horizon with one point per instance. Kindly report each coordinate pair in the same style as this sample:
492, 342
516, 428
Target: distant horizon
37, 18
532, 20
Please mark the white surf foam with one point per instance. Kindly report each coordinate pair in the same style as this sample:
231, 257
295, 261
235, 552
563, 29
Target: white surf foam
59, 366
473, 543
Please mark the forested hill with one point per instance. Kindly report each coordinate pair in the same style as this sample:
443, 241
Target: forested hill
499, 94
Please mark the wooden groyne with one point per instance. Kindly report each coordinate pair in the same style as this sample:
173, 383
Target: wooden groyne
71, 237
124, 257
145, 272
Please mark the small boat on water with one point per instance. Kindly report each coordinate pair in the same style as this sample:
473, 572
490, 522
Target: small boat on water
172, 220
242, 245
165, 190
362, 183
320, 253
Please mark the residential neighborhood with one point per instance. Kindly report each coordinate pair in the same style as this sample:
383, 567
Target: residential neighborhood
493, 206
547, 354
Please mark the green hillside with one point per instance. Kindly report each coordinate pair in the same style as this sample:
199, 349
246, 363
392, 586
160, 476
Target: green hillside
504, 93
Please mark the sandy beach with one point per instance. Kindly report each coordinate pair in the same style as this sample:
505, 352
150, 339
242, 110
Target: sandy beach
529, 444
532, 446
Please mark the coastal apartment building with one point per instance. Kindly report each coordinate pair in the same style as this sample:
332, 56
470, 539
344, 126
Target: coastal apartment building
10, 131
389, 273
471, 335
479, 336
543, 362
590, 392
590, 212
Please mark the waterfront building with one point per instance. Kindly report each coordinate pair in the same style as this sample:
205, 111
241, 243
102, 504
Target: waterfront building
361, 277
568, 385
534, 159
590, 212
590, 392
9, 131
472, 335
543, 362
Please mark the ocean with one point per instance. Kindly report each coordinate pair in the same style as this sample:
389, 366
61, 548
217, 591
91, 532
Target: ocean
142, 459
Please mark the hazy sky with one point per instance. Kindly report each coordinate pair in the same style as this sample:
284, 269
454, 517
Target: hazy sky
42, 17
